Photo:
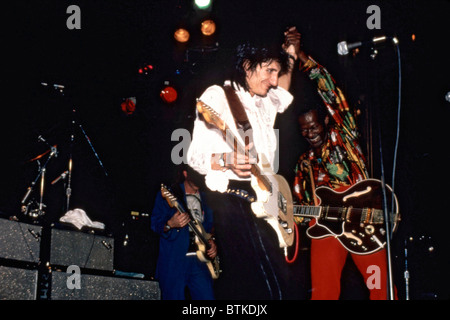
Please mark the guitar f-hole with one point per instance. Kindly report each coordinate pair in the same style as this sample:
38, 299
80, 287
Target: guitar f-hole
356, 194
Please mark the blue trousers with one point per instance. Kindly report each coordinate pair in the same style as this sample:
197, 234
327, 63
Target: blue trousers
195, 277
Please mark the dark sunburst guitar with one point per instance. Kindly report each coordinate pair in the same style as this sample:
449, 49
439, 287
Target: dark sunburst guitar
201, 236
354, 216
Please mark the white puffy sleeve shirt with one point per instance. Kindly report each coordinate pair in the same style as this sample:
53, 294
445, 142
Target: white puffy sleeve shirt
261, 112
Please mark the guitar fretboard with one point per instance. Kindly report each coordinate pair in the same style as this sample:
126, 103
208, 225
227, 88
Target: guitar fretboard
237, 147
365, 215
307, 211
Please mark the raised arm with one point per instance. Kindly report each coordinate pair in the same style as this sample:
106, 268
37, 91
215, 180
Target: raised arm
292, 47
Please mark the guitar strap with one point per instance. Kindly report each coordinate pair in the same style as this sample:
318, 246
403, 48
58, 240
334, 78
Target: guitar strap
240, 116
311, 177
242, 122
237, 109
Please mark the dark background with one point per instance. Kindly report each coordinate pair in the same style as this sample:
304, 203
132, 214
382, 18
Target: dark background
98, 66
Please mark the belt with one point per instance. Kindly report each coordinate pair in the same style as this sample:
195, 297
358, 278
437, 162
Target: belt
241, 189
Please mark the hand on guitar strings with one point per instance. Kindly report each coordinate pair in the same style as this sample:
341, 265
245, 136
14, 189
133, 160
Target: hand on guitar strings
212, 252
179, 220
241, 162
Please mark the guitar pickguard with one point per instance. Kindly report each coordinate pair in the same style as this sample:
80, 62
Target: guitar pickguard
276, 208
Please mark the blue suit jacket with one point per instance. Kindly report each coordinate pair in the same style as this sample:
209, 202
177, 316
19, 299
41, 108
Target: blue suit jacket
174, 243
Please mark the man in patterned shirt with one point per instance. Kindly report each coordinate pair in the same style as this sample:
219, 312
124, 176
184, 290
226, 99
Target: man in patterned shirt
335, 160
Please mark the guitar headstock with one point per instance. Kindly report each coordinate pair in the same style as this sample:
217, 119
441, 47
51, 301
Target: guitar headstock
170, 198
210, 115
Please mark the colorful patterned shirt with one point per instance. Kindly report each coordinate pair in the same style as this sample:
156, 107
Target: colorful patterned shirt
342, 162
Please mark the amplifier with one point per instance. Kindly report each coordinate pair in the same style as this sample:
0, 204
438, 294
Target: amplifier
18, 284
20, 241
99, 287
83, 249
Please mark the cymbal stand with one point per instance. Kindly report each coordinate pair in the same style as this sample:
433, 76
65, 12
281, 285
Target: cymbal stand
41, 175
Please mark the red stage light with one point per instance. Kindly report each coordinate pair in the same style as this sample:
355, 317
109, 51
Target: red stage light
128, 105
169, 94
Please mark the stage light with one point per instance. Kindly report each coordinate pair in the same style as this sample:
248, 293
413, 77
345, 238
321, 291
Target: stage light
146, 70
128, 106
202, 4
168, 93
208, 27
181, 35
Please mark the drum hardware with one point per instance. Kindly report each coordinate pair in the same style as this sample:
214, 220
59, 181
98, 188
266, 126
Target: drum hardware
36, 209
32, 208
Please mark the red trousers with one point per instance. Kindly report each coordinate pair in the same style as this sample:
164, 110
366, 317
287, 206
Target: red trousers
327, 260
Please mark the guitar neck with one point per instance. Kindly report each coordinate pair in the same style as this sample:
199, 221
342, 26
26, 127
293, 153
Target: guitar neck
213, 118
307, 211
237, 147
364, 215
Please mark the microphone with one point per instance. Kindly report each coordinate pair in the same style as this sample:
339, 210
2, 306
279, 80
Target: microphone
344, 48
62, 176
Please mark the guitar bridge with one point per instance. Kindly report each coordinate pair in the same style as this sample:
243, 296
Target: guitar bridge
282, 203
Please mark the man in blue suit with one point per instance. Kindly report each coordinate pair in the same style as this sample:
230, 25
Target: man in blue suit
178, 266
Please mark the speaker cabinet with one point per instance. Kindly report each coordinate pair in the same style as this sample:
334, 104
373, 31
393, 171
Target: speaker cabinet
85, 250
20, 241
99, 287
18, 284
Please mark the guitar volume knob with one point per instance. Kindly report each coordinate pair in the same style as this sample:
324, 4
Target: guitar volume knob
370, 229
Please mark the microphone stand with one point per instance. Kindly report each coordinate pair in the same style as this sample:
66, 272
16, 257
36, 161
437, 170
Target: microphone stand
387, 214
68, 185
406, 272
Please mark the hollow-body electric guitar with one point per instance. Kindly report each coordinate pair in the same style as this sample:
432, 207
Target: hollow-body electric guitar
354, 216
273, 195
201, 236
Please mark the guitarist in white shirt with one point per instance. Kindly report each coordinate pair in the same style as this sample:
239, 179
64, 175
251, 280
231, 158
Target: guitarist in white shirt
253, 265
